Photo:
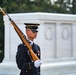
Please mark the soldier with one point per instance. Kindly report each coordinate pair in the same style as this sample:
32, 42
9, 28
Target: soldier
23, 58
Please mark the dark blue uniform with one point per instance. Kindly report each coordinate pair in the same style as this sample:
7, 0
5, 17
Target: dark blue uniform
24, 61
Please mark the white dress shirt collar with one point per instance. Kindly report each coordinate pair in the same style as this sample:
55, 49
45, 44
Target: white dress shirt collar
31, 42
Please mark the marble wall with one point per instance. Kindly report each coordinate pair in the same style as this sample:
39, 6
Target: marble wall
56, 37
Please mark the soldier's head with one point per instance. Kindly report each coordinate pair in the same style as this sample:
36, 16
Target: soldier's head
31, 30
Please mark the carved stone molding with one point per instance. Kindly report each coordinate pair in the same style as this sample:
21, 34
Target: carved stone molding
65, 33
48, 34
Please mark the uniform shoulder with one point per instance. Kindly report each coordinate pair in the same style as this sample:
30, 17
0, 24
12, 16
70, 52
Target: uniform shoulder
21, 45
36, 44
21, 48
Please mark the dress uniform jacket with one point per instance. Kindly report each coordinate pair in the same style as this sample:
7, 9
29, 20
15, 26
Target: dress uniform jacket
24, 61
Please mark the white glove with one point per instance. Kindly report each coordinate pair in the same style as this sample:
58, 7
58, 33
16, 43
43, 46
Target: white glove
37, 63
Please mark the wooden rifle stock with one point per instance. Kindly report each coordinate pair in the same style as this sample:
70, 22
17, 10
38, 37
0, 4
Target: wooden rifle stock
21, 35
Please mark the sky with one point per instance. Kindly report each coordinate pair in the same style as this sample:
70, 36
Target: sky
64, 0
56, 0
53, 1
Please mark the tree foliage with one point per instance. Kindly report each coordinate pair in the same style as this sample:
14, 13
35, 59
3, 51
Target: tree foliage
74, 7
23, 6
67, 6
27, 6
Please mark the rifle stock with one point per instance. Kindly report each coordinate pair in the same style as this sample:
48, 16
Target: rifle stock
21, 35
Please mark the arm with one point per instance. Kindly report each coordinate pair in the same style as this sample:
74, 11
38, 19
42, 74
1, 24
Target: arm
23, 60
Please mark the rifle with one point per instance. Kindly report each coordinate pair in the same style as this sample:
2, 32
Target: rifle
21, 35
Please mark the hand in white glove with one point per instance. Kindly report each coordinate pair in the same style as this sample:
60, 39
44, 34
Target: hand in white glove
37, 63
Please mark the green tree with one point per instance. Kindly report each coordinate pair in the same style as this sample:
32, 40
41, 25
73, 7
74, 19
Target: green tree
18, 6
61, 6
74, 7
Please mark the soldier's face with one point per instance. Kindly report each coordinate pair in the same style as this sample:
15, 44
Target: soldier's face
31, 35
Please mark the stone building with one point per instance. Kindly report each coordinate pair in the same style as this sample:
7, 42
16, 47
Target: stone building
56, 37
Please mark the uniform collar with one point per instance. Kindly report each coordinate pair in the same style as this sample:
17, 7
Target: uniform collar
31, 42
